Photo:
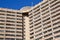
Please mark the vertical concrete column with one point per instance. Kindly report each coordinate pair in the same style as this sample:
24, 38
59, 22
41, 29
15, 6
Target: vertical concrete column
26, 23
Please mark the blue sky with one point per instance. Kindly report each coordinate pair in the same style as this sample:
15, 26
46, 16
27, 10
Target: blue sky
17, 4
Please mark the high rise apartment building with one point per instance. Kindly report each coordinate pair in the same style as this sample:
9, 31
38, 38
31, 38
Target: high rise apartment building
41, 22
45, 20
11, 25
14, 24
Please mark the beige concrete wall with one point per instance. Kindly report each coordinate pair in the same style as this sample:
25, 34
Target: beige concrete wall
27, 34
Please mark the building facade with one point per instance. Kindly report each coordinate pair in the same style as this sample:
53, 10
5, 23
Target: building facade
14, 24
11, 25
41, 22
45, 20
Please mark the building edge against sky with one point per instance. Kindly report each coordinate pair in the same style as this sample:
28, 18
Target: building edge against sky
41, 22
11, 25
14, 20
45, 20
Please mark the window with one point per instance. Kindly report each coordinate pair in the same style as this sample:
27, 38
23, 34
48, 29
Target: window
38, 27
10, 15
44, 9
1, 27
9, 34
37, 17
46, 16
38, 38
37, 14
31, 17
55, 11
56, 27
38, 30
37, 10
19, 35
55, 7
1, 34
37, 20
9, 38
51, 38
20, 18
46, 19
57, 32
36, 7
31, 30
19, 28
2, 20
10, 28
56, 19
2, 11
37, 23
2, 17
47, 23
56, 23
32, 33
45, 12
19, 15
10, 18
31, 23
58, 36
19, 25
10, 24
10, 12
10, 21
48, 35
19, 22
47, 27
18, 32
47, 31
31, 37
56, 15
31, 20
1, 30
1, 24
18, 39
2, 14
38, 34
55, 4
44, 3
1, 38
53, 1
31, 26
10, 31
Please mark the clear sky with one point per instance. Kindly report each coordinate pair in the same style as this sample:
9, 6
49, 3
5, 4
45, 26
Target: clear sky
17, 4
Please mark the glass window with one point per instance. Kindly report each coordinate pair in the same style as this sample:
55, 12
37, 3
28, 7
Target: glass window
10, 39
51, 38
58, 36
1, 38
